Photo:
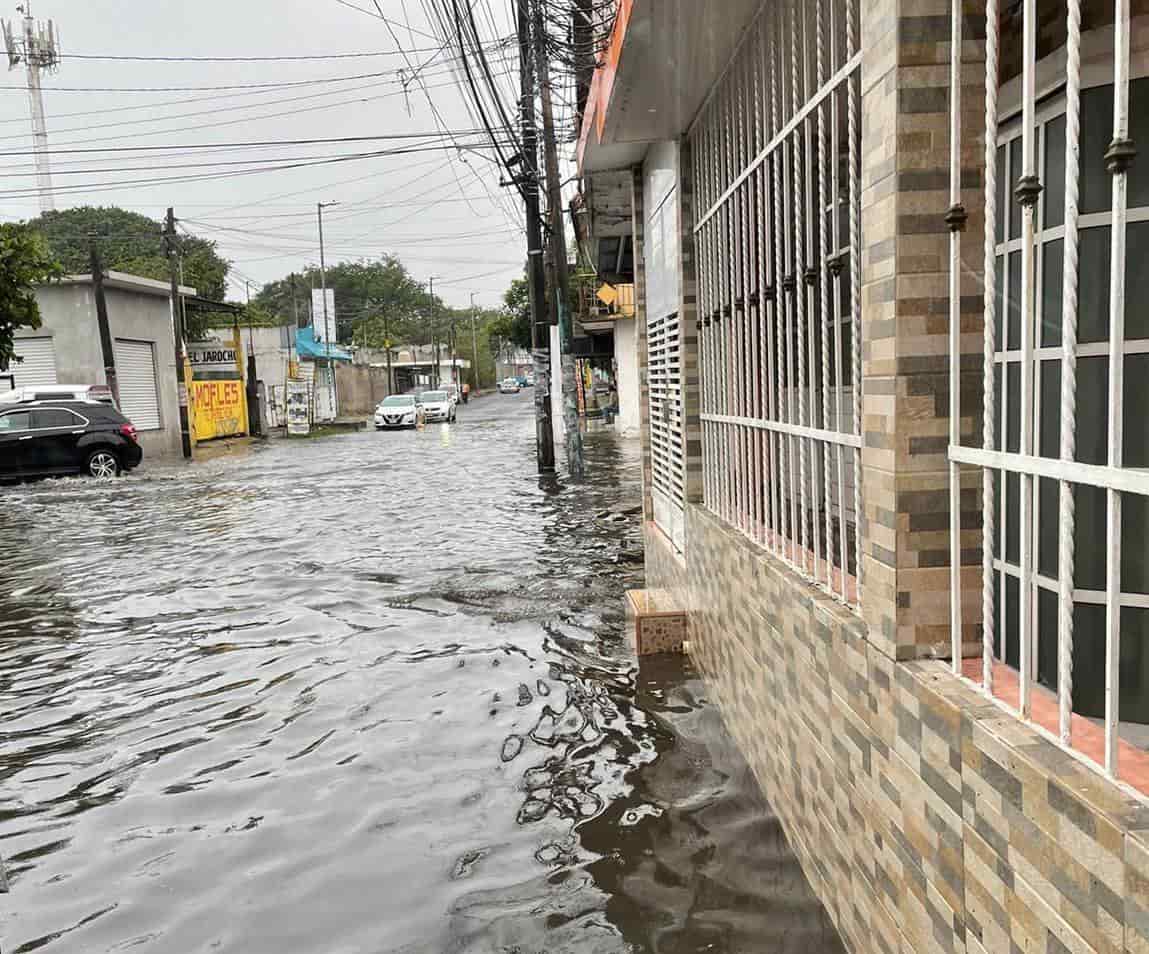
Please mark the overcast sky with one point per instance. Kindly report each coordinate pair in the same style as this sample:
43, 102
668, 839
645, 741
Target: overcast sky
443, 214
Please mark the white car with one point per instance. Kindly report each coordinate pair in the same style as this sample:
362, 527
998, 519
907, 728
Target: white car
437, 406
509, 386
59, 392
399, 410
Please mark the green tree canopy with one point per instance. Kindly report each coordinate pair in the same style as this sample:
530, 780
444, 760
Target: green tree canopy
516, 327
375, 301
130, 242
24, 262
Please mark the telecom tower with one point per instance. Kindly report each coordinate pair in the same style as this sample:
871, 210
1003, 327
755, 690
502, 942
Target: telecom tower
36, 46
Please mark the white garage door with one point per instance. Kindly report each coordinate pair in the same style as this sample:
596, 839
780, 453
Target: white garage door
39, 364
136, 379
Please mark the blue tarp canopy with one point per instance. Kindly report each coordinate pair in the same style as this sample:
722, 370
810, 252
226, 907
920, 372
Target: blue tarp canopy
308, 347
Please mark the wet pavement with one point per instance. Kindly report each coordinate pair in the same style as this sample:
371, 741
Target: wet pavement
366, 693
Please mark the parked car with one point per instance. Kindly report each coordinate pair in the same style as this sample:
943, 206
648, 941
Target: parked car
452, 392
59, 392
509, 386
437, 406
52, 437
399, 410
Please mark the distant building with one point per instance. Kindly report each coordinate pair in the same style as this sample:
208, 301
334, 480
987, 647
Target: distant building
66, 349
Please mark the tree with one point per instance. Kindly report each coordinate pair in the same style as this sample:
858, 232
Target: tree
375, 301
517, 307
24, 262
130, 242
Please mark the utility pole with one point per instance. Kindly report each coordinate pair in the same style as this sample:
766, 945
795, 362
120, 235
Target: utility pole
573, 435
434, 331
474, 343
178, 329
254, 412
37, 48
387, 342
540, 328
106, 347
319, 207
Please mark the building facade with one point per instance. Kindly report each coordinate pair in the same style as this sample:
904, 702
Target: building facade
66, 349
891, 264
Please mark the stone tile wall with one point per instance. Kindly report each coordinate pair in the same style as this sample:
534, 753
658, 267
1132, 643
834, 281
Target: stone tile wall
905, 112
926, 817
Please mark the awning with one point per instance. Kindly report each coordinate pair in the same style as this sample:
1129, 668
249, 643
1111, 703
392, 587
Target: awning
308, 347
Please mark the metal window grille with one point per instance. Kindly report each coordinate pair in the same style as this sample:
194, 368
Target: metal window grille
664, 367
776, 174
666, 451
1065, 442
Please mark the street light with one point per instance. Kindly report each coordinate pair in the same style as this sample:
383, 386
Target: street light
319, 207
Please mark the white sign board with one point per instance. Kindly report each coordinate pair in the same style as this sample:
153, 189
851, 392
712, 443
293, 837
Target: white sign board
324, 331
298, 406
212, 356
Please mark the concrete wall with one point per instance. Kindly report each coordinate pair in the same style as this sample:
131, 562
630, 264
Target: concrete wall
626, 364
360, 388
68, 315
925, 816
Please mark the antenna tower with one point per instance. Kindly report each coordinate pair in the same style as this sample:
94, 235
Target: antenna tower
36, 45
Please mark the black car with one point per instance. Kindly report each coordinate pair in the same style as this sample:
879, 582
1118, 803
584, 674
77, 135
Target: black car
45, 438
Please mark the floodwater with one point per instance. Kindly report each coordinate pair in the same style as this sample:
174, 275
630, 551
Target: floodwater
368, 693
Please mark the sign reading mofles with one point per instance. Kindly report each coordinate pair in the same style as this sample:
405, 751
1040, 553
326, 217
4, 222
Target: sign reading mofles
218, 402
220, 409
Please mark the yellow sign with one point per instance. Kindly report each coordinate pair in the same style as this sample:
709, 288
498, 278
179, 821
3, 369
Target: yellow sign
219, 409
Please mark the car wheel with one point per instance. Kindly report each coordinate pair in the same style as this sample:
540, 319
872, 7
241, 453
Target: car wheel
102, 463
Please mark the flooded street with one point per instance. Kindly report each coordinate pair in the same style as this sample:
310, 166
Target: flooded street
365, 693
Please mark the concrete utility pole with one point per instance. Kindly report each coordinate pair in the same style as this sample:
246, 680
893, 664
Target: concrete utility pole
106, 347
573, 435
178, 328
540, 328
37, 48
319, 207
434, 332
254, 412
474, 343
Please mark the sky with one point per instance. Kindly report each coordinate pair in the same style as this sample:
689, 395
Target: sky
441, 212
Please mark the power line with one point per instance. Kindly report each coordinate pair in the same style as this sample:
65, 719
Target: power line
277, 58
266, 142
164, 180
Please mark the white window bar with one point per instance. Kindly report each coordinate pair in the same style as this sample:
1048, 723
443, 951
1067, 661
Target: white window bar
1068, 449
797, 279
1118, 158
778, 162
839, 351
824, 297
989, 340
769, 297
696, 159
1027, 190
758, 519
744, 308
809, 289
955, 218
853, 81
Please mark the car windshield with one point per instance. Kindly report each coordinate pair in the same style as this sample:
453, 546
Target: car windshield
398, 400
434, 397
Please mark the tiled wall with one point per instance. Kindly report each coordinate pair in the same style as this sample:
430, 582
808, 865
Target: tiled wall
926, 817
